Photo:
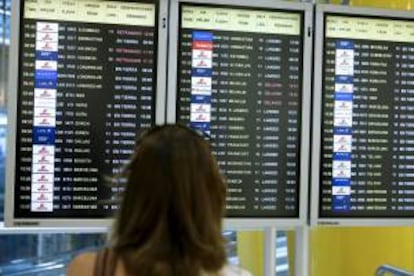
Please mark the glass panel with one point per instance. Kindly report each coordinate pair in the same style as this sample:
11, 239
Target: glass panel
2, 17
7, 30
1, 32
43, 254
231, 239
282, 260
4, 42
4, 23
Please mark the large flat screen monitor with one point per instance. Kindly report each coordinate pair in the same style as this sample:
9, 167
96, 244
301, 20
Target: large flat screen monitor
363, 155
238, 76
85, 79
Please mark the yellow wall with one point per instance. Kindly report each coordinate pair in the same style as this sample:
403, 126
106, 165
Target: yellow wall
356, 251
386, 4
360, 251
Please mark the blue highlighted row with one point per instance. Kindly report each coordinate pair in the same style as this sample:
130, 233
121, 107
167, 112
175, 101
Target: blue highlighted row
342, 131
47, 84
46, 75
342, 156
202, 36
344, 79
205, 127
44, 135
42, 55
345, 44
201, 72
199, 99
341, 203
344, 97
341, 182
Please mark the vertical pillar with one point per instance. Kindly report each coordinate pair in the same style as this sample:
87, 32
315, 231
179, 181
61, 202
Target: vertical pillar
302, 251
270, 252
291, 244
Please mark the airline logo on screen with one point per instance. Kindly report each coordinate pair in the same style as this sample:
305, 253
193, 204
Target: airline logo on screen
44, 118
342, 140
201, 80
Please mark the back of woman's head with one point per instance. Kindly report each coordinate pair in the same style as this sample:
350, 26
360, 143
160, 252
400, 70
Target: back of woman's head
169, 222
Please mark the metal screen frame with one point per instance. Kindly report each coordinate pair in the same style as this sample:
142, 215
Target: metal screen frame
315, 218
73, 224
307, 9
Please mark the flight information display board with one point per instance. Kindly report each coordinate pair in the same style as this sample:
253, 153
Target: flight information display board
240, 82
87, 85
367, 126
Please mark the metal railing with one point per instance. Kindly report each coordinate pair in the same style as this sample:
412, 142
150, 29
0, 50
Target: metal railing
392, 270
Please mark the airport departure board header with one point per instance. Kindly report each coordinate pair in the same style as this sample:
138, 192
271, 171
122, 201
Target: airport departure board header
87, 86
367, 160
240, 82
241, 20
370, 28
101, 12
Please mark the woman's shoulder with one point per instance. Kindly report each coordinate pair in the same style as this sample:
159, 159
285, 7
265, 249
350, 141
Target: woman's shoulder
230, 270
83, 264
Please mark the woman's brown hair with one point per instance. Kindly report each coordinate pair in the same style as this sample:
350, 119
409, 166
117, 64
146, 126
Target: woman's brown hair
169, 222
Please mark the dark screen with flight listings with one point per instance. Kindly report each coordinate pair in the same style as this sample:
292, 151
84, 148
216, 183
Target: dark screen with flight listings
87, 84
367, 160
240, 82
